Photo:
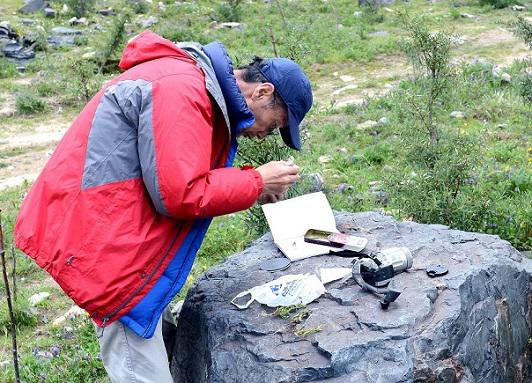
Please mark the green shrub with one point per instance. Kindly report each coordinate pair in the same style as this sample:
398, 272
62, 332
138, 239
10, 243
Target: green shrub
7, 68
498, 4
80, 8
21, 311
29, 104
113, 42
228, 11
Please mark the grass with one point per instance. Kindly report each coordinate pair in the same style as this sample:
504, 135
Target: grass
310, 31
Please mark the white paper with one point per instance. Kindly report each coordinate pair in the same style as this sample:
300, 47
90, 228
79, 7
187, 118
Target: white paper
333, 274
289, 220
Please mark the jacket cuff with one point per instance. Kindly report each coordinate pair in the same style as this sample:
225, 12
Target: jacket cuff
258, 180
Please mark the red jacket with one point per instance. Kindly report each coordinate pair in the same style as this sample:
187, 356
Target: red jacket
129, 182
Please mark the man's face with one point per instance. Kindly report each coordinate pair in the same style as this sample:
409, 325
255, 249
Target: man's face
269, 116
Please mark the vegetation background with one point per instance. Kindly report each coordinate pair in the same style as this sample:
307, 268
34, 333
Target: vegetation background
423, 111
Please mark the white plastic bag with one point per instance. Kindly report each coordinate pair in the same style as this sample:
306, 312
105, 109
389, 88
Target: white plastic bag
287, 290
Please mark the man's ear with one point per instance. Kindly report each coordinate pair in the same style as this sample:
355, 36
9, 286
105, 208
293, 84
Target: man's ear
262, 90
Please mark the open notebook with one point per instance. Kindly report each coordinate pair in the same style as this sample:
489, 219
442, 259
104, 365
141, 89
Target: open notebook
289, 221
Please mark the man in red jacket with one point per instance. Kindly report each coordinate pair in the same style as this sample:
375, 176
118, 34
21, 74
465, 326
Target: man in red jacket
122, 206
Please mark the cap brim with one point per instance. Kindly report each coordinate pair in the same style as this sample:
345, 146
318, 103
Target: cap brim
290, 134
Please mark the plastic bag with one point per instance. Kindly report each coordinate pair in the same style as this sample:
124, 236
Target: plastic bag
287, 290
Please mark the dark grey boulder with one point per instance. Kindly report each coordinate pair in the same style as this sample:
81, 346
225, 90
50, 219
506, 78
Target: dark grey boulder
471, 325
33, 6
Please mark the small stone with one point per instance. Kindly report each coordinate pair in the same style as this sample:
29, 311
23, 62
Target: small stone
35, 299
65, 31
356, 158
457, 114
344, 188
506, 78
231, 25
518, 8
358, 14
33, 6
149, 22
345, 88
68, 333
389, 10
496, 71
467, 16
106, 12
89, 55
5, 363
342, 150
367, 125
55, 350
349, 102
381, 197
383, 121
74, 312
59, 321
482, 62
324, 159
378, 34
502, 126
27, 21
49, 12
346, 78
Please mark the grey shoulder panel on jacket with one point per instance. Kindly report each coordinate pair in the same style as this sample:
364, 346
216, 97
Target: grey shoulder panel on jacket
196, 52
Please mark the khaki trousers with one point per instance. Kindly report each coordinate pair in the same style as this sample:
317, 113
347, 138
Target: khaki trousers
128, 358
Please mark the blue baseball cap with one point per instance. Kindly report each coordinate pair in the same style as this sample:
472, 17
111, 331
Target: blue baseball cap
293, 87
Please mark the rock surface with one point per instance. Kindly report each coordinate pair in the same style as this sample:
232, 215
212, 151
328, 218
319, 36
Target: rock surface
471, 325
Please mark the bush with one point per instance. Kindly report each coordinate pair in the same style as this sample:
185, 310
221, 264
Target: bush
498, 4
80, 8
228, 11
7, 68
29, 104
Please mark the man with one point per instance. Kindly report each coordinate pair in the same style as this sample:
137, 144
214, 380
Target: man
121, 208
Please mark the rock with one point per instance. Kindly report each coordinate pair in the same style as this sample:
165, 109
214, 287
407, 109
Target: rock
149, 22
350, 102
518, 8
506, 78
358, 14
80, 21
344, 188
27, 21
343, 150
482, 62
231, 25
346, 78
311, 183
68, 333
5, 363
457, 114
471, 325
89, 55
381, 197
367, 125
74, 312
33, 6
106, 12
378, 34
55, 350
59, 321
66, 31
324, 159
49, 12
467, 16
383, 121
502, 126
35, 299
345, 88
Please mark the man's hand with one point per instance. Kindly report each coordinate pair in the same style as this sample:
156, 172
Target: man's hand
277, 177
